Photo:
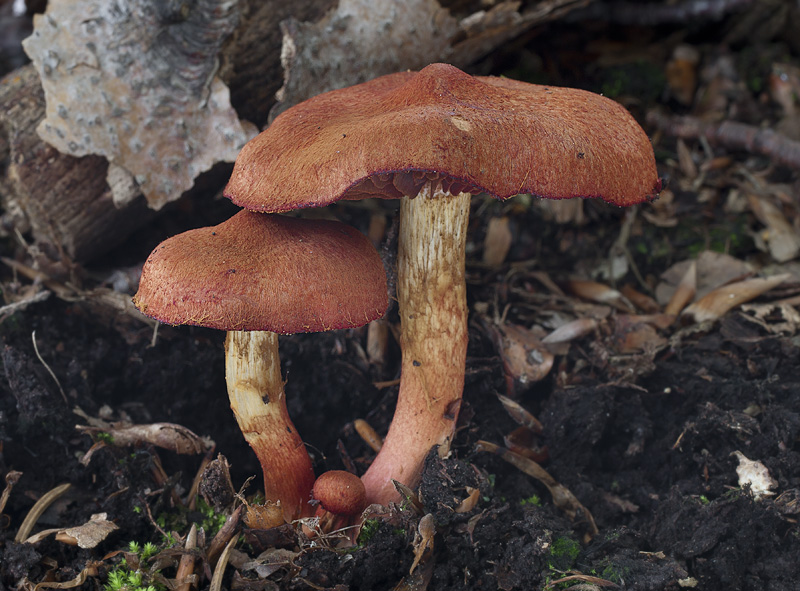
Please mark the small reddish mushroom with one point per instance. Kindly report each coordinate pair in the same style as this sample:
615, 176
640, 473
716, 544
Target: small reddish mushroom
340, 493
435, 137
257, 275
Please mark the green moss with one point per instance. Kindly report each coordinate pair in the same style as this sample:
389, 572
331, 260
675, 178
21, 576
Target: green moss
563, 554
212, 521
531, 500
368, 530
105, 437
129, 578
613, 573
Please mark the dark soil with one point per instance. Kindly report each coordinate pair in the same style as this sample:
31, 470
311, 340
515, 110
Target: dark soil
644, 439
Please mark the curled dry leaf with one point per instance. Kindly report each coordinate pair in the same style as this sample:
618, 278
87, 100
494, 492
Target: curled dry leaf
270, 561
684, 293
636, 334
520, 414
781, 237
377, 341
563, 211
571, 331
263, 516
91, 533
423, 540
497, 242
598, 292
525, 359
525, 442
642, 301
775, 317
727, 297
712, 270
469, 503
88, 535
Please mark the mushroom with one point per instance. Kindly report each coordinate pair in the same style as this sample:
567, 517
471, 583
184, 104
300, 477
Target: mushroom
340, 493
436, 137
257, 275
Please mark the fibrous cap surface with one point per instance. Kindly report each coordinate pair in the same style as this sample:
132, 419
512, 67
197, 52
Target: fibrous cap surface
265, 272
386, 137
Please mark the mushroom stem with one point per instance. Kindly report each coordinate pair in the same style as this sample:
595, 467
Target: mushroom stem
255, 388
431, 292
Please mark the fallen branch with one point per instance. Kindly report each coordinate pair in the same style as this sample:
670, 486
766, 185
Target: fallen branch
733, 136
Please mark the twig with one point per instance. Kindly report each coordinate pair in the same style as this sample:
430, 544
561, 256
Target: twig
732, 135
47, 367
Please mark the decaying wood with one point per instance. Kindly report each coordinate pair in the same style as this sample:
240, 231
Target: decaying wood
63, 200
66, 202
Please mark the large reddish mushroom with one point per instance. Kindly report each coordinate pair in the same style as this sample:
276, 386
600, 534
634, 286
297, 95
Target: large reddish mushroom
436, 137
257, 275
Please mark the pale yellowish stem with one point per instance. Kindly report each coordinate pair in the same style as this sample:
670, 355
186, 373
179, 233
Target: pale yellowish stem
431, 293
255, 388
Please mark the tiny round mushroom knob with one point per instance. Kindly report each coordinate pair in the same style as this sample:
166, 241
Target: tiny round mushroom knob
340, 492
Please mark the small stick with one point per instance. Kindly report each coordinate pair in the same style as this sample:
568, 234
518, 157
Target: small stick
732, 135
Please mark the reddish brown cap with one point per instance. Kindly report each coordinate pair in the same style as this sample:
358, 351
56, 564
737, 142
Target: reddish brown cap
478, 134
265, 272
340, 492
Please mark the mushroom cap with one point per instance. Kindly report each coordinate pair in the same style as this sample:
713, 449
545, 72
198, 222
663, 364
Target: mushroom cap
386, 137
265, 272
340, 492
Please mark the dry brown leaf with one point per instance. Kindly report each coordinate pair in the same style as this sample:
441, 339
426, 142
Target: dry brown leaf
662, 212
633, 335
774, 317
497, 242
782, 239
94, 531
525, 442
570, 331
727, 297
263, 516
520, 414
423, 540
598, 292
563, 211
642, 301
685, 291
525, 359
712, 270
